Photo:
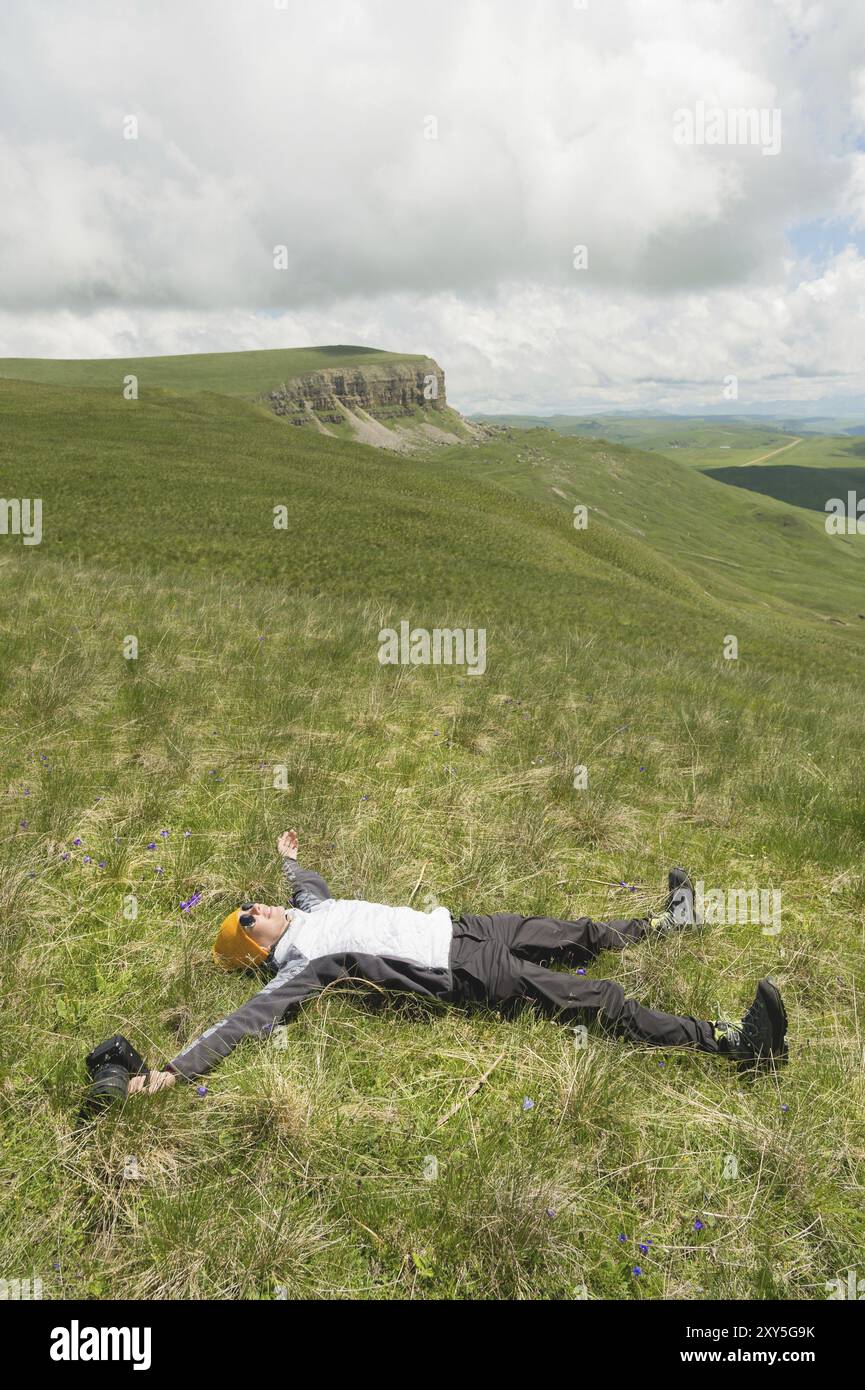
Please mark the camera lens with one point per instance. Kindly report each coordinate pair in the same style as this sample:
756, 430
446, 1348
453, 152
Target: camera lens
109, 1085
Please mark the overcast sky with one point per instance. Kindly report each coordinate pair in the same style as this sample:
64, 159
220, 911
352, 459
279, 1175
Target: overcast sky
307, 124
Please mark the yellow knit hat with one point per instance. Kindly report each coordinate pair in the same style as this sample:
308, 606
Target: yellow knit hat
234, 948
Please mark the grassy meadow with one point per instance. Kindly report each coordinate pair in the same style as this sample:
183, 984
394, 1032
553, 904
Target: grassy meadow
385, 1148
229, 373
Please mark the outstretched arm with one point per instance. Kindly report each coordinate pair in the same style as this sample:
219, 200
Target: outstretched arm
257, 1018
308, 889
297, 981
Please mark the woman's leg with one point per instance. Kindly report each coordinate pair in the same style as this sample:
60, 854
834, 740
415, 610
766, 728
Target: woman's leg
578, 942
508, 981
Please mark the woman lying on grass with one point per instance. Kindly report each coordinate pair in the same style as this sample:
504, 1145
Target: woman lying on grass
500, 960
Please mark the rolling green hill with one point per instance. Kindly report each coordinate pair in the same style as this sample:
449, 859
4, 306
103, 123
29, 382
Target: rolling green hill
229, 373
349, 393
791, 462
256, 701
750, 550
656, 432
688, 432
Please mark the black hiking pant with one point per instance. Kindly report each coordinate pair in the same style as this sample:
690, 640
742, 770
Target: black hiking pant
502, 960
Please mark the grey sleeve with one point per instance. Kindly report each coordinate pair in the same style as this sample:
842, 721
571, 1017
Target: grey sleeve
307, 887
257, 1018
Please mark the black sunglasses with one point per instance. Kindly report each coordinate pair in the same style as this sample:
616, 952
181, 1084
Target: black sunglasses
246, 918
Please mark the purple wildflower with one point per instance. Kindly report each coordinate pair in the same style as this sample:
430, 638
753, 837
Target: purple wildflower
622, 1238
77, 840
201, 1090
636, 1271
528, 1104
698, 1225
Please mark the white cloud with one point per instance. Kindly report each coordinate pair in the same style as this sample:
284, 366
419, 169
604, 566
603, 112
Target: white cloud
305, 126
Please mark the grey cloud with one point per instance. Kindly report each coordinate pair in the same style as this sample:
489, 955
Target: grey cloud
304, 126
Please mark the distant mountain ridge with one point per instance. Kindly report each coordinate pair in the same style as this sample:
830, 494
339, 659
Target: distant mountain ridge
603, 423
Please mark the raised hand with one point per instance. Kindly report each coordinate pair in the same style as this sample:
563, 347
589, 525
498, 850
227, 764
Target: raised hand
287, 844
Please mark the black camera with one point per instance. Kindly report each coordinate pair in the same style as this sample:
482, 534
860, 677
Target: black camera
110, 1066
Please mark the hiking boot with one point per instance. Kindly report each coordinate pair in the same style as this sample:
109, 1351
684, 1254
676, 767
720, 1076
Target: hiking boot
679, 910
760, 1036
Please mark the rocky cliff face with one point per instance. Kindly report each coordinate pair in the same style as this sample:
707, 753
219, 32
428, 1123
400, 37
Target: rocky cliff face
383, 392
